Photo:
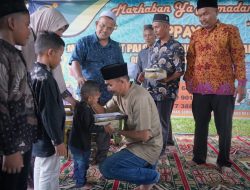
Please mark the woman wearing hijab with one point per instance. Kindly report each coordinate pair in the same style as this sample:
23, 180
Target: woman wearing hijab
47, 19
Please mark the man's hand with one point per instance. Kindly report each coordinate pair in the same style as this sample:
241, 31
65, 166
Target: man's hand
165, 80
80, 81
61, 150
142, 135
141, 77
12, 163
77, 72
240, 92
109, 129
72, 101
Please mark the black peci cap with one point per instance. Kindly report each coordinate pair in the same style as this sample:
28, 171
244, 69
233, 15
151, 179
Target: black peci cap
207, 3
161, 18
114, 71
12, 6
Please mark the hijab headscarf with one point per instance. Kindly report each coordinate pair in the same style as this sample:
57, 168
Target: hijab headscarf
49, 19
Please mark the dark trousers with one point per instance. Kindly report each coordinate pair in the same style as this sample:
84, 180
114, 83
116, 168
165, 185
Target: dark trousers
170, 135
165, 108
102, 144
16, 181
170, 141
223, 107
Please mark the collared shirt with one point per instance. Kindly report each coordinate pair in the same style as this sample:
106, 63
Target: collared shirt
92, 56
144, 62
18, 121
28, 50
214, 60
142, 114
51, 110
171, 57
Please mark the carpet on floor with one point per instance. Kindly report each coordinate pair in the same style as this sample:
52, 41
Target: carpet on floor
175, 173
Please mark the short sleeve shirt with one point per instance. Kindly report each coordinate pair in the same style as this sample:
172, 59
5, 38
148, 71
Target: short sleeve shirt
92, 56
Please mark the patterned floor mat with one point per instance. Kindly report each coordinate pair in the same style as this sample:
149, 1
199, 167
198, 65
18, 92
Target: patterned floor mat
175, 173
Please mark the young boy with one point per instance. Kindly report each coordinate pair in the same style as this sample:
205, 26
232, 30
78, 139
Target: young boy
49, 49
18, 122
83, 125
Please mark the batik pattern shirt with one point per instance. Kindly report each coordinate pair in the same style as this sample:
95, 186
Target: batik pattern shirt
214, 60
92, 56
18, 121
171, 57
51, 110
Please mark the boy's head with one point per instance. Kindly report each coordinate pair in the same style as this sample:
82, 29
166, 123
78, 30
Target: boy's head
14, 21
49, 48
90, 92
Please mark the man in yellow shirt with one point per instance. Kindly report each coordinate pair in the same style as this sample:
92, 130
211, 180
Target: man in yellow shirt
215, 59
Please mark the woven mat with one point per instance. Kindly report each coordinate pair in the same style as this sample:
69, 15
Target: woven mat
175, 173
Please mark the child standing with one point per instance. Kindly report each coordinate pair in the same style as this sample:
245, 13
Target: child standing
18, 122
83, 125
49, 48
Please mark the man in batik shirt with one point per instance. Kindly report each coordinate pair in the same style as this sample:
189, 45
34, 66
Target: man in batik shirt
168, 54
215, 59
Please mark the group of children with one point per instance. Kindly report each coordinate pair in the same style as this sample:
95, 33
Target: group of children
46, 128
49, 48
